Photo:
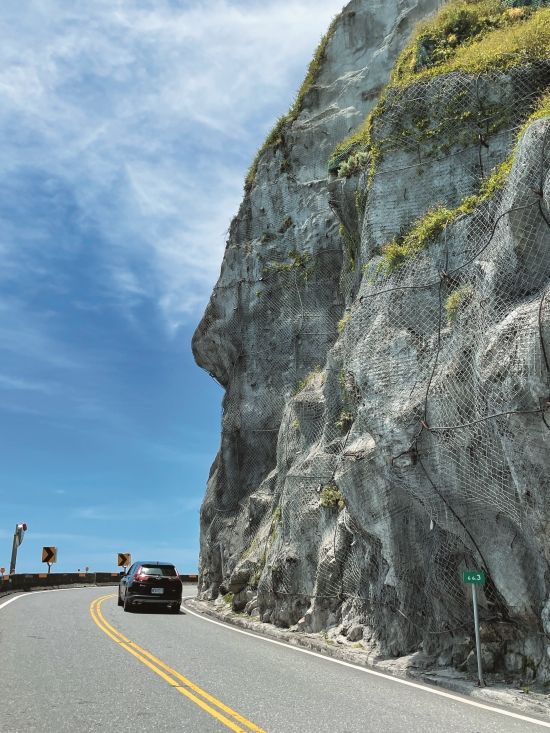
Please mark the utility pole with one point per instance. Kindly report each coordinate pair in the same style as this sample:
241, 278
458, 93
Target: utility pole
20, 530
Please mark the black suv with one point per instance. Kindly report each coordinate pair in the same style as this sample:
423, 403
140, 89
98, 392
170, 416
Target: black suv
145, 582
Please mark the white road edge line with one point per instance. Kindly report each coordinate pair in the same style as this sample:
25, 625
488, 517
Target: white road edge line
56, 590
398, 680
34, 592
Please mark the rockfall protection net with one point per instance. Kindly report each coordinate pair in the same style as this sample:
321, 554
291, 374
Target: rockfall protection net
429, 418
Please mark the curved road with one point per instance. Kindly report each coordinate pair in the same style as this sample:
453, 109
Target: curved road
72, 660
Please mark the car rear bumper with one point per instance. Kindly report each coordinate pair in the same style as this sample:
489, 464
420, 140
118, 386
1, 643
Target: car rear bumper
151, 599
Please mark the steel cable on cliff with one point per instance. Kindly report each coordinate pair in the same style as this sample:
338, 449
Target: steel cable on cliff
295, 488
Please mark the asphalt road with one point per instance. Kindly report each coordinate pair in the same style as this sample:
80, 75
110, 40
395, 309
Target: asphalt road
71, 662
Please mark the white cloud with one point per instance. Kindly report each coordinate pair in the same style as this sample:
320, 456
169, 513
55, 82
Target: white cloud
7, 382
137, 511
102, 513
142, 119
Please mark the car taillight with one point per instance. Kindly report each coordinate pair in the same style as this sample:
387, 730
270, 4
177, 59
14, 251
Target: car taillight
138, 574
177, 575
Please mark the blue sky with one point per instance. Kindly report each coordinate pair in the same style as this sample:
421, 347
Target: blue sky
128, 128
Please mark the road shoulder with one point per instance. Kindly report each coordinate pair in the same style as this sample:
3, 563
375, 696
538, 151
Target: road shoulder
413, 667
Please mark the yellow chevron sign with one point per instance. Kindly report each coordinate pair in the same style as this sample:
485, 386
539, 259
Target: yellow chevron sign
124, 559
49, 554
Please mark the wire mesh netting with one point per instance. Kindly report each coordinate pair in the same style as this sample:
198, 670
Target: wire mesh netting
386, 427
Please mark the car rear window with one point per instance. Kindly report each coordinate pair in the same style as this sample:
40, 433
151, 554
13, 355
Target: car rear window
164, 570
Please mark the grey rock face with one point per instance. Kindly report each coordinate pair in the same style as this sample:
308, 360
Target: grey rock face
385, 428
514, 662
355, 633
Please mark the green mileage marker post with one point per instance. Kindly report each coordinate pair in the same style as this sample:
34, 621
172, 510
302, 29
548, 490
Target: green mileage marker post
475, 578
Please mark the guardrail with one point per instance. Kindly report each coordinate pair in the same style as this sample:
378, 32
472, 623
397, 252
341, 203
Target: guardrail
30, 581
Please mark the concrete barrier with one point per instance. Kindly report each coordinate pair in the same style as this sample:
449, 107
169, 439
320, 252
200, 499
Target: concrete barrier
33, 581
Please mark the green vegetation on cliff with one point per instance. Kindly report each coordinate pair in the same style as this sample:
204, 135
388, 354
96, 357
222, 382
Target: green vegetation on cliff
274, 136
297, 263
427, 228
470, 36
331, 497
458, 300
473, 36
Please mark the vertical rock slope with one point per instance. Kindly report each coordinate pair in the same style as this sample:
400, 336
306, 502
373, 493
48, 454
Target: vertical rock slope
382, 337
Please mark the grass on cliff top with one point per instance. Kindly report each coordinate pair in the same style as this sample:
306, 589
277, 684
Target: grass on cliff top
274, 136
466, 36
425, 230
457, 37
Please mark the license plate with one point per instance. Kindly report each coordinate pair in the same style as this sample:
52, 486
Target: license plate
157, 591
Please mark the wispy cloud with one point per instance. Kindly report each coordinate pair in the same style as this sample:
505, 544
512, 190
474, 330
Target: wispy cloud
137, 510
14, 383
104, 513
65, 536
137, 122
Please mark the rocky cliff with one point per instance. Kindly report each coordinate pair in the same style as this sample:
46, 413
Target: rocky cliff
381, 328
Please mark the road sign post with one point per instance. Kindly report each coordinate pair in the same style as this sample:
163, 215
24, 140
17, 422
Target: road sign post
124, 559
475, 578
20, 530
49, 556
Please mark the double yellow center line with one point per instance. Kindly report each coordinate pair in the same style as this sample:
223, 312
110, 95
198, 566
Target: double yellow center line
201, 698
